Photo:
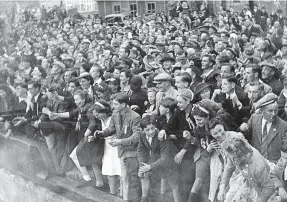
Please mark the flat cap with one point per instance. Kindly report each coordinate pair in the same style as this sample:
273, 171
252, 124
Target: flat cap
267, 100
162, 77
60, 64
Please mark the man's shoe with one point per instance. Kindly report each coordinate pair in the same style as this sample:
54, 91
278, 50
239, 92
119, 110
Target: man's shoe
84, 183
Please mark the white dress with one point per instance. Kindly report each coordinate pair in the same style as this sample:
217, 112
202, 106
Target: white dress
111, 161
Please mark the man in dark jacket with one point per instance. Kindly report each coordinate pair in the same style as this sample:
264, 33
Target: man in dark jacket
156, 158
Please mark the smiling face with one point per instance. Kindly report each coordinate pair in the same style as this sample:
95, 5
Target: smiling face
218, 133
79, 101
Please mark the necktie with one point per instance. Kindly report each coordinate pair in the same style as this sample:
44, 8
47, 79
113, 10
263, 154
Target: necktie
264, 144
150, 140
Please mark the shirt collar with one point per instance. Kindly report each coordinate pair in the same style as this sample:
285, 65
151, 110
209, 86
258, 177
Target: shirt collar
98, 81
36, 97
231, 95
22, 99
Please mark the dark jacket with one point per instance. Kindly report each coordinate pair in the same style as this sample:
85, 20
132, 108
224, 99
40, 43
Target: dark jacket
34, 112
175, 126
159, 154
275, 84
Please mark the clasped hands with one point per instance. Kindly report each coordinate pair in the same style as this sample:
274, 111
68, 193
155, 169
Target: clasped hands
113, 142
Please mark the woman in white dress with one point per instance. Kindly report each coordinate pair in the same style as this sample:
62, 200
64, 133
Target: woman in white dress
111, 162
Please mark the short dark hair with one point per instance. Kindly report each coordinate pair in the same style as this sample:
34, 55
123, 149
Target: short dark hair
128, 73
232, 68
169, 103
210, 58
214, 122
122, 97
35, 84
147, 120
231, 79
255, 69
185, 77
102, 106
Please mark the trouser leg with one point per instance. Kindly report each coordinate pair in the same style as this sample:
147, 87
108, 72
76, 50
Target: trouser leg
187, 175
51, 143
130, 179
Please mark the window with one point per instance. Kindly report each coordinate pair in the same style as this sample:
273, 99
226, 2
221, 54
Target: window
151, 7
134, 9
117, 8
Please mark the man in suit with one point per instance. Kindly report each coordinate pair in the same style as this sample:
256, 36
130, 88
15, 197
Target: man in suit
267, 129
232, 98
126, 124
156, 158
209, 75
251, 29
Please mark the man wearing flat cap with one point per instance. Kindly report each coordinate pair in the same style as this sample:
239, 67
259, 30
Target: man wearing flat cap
269, 132
268, 76
163, 83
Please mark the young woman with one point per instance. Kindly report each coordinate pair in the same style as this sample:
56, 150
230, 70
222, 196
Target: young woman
258, 185
84, 153
111, 162
202, 112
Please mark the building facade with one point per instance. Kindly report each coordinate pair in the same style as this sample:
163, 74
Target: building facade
135, 8
83, 6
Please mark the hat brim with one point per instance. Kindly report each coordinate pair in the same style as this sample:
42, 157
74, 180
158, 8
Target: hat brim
159, 81
165, 59
201, 89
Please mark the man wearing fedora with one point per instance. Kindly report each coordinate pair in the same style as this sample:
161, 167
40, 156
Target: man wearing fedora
269, 71
269, 132
167, 62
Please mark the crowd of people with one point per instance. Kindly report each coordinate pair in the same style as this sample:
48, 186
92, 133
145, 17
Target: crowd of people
192, 100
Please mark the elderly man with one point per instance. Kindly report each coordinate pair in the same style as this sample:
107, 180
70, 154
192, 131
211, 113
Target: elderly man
163, 83
268, 75
267, 129
126, 124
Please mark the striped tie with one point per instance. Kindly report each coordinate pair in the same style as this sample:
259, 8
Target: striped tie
264, 144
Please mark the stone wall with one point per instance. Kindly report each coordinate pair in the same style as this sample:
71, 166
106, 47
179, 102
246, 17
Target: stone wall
15, 189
